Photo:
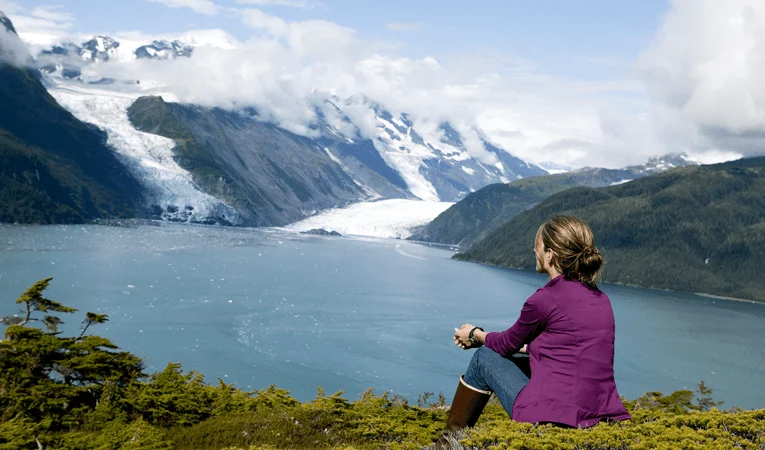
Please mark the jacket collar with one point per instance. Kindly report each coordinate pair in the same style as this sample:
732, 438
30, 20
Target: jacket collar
555, 281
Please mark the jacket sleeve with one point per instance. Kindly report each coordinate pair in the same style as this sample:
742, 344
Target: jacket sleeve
530, 323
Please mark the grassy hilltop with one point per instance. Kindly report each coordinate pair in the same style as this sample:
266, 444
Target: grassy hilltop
83, 393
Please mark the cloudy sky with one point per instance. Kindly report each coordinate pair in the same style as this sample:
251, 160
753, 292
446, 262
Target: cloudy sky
591, 83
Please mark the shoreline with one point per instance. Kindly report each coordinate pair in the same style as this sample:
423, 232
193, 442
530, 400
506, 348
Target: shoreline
700, 294
722, 297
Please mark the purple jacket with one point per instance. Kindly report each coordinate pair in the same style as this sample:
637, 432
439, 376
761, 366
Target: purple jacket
570, 331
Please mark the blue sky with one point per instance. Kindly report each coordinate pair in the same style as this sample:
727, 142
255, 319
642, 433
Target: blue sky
585, 39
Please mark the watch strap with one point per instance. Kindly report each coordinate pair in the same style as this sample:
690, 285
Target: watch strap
473, 341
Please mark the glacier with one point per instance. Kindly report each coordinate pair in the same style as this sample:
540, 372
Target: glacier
392, 218
149, 157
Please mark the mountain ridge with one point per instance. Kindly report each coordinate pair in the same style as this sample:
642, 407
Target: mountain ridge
439, 168
483, 211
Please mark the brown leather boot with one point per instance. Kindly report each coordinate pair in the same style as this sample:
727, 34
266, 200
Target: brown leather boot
466, 407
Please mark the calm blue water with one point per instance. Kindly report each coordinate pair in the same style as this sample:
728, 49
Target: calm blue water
262, 307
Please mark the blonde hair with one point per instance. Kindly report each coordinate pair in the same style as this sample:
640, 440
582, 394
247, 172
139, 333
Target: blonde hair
573, 246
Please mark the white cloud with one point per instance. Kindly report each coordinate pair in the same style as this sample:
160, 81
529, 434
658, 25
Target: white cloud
404, 26
286, 67
303, 4
9, 7
705, 71
207, 7
55, 15
40, 26
698, 91
12, 49
320, 40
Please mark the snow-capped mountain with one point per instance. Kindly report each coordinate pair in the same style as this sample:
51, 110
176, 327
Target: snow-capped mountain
67, 58
90, 49
427, 165
434, 166
99, 49
54, 168
282, 183
552, 168
170, 189
164, 50
235, 167
665, 162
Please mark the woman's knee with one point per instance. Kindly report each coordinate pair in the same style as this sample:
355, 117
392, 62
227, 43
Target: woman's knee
486, 352
480, 355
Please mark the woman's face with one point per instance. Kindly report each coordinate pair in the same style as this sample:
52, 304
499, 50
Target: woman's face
542, 257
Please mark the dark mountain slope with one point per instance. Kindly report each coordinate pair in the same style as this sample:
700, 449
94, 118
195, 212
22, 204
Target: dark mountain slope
271, 176
54, 168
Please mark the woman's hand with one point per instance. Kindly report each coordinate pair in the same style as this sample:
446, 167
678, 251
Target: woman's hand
524, 349
462, 336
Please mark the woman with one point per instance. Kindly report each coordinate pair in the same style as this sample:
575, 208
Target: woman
567, 329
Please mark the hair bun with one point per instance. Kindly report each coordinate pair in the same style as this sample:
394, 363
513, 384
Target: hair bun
588, 264
587, 252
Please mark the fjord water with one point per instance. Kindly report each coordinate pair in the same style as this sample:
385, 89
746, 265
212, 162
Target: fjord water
262, 307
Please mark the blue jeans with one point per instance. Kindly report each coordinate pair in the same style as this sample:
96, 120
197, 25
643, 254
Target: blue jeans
490, 371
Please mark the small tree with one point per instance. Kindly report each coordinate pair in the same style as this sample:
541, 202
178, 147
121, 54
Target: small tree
90, 319
56, 380
35, 302
704, 400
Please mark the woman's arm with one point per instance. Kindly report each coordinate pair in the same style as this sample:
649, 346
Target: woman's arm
462, 338
530, 323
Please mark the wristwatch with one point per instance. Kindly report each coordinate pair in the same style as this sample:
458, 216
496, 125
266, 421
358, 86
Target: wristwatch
473, 341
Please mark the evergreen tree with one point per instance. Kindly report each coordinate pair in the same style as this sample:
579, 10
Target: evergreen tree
57, 381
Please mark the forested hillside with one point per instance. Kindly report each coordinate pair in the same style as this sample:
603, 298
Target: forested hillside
695, 229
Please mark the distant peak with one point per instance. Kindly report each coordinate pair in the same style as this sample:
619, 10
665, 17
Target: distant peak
164, 49
553, 168
101, 44
7, 23
677, 159
665, 162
